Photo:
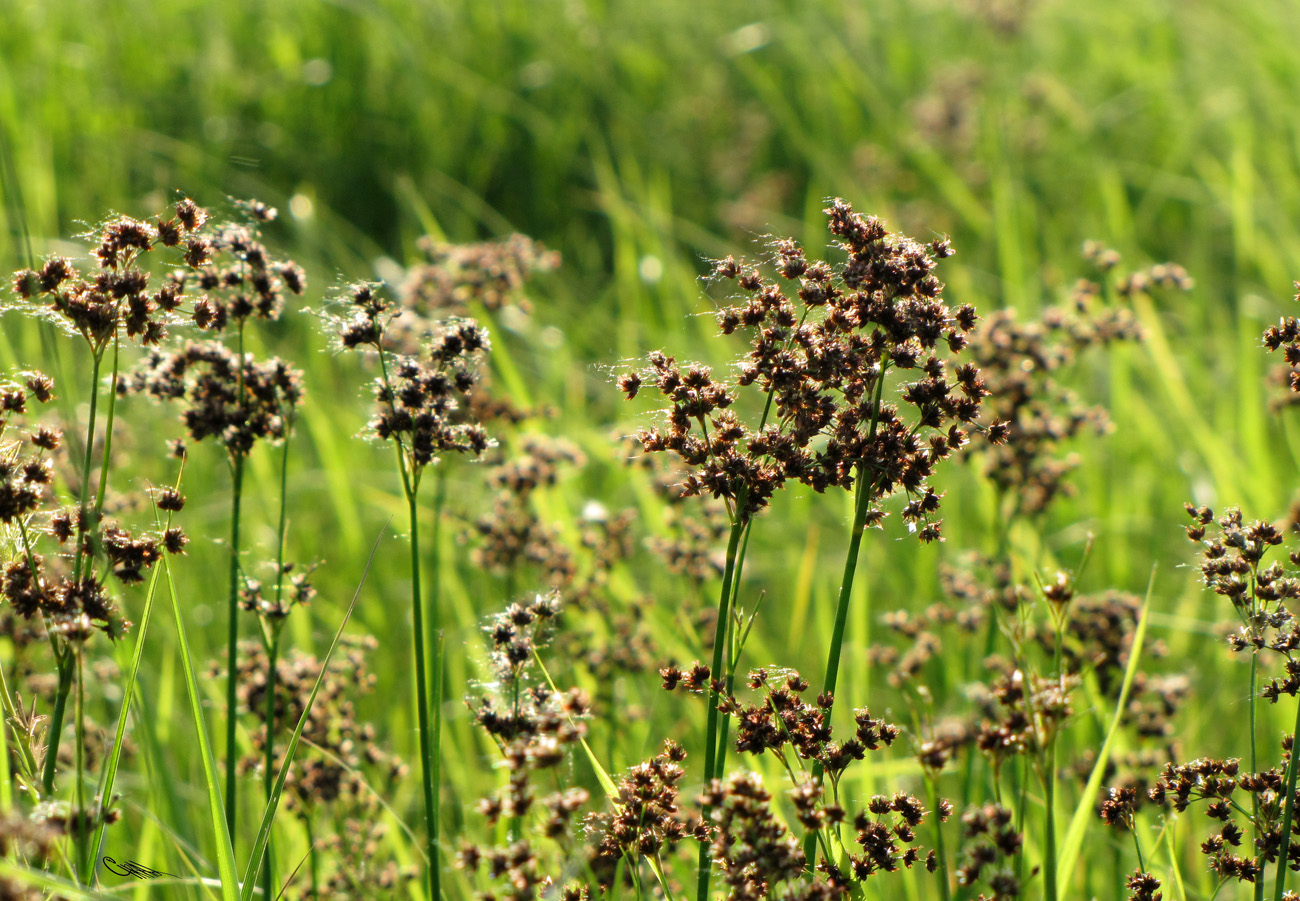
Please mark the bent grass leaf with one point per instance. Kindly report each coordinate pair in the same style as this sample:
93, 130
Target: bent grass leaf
128, 692
1083, 812
216, 802
268, 816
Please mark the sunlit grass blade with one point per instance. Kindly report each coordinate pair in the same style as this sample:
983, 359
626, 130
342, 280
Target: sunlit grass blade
268, 816
606, 783
1084, 811
212, 781
109, 773
66, 888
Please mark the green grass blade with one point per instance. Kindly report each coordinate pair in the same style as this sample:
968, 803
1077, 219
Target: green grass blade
1083, 812
216, 803
602, 777
66, 888
109, 773
268, 816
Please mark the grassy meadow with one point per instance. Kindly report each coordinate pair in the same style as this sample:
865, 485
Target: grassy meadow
643, 142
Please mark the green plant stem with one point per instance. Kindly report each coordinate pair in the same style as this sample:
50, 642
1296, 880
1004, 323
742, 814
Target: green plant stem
944, 891
84, 521
273, 652
1049, 825
108, 436
81, 826
56, 723
55, 730
314, 869
268, 769
861, 504
232, 635
428, 753
733, 654
1288, 811
1254, 798
719, 646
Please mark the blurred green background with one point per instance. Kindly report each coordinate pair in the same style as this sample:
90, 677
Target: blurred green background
640, 140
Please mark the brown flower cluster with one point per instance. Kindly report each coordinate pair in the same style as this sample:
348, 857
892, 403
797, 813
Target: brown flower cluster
1030, 711
1019, 362
754, 852
511, 533
118, 296
224, 273
455, 277
346, 746
275, 606
1232, 566
820, 360
240, 280
421, 400
990, 843
31, 841
237, 402
784, 720
1216, 783
67, 593
534, 726
646, 819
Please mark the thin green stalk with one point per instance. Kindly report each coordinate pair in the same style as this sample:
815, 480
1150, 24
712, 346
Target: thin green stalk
427, 751
733, 654
55, 730
1049, 837
719, 645
268, 768
273, 654
232, 636
83, 522
944, 891
864, 488
1254, 798
1021, 787
56, 724
79, 818
1287, 812
108, 435
315, 869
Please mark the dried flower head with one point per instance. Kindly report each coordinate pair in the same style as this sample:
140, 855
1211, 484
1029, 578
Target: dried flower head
823, 341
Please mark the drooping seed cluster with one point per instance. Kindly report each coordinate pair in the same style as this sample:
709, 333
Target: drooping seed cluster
820, 360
